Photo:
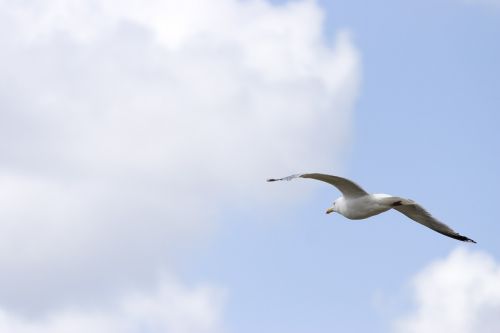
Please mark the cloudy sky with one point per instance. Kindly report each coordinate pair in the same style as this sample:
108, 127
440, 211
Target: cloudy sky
135, 138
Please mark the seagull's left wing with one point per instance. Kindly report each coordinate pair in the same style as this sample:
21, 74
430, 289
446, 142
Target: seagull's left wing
348, 188
418, 214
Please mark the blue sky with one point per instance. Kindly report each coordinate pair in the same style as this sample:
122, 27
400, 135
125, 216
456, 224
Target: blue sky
424, 127
135, 142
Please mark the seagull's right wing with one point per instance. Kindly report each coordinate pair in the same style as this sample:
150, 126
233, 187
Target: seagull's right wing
348, 188
418, 214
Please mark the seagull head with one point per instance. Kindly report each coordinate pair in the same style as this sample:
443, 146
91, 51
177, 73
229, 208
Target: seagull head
331, 209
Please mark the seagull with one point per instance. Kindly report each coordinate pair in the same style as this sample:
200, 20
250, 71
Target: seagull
356, 204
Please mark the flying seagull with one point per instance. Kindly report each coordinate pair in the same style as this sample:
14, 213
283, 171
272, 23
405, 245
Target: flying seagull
356, 204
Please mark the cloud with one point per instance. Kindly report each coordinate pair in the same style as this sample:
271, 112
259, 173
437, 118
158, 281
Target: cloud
460, 293
127, 128
171, 308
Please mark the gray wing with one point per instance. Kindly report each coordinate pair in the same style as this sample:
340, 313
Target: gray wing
348, 188
418, 214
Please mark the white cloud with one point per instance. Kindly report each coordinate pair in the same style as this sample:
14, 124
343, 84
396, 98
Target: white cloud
171, 308
126, 126
460, 293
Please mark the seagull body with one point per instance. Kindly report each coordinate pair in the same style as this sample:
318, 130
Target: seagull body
356, 204
362, 207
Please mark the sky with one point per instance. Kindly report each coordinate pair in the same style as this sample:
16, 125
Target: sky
136, 137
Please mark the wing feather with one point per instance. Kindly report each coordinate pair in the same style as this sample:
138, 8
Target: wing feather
348, 188
418, 214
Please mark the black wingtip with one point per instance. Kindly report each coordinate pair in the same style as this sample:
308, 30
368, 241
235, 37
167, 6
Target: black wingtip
465, 239
458, 237
284, 178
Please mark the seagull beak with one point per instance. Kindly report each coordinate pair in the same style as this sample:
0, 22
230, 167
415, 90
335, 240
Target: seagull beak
329, 210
